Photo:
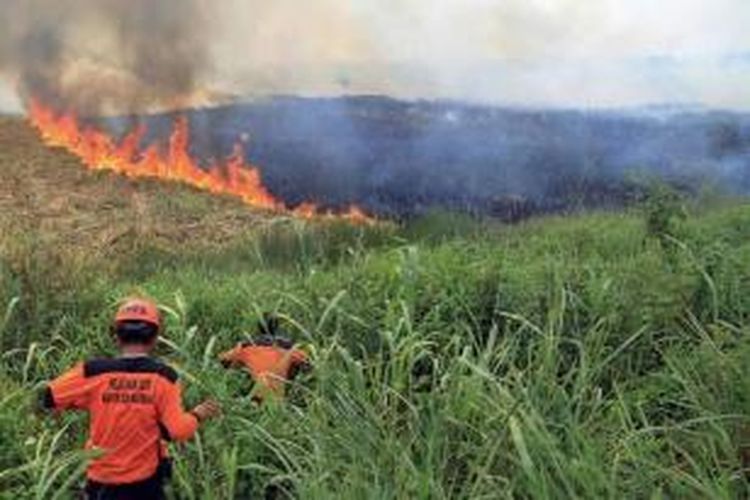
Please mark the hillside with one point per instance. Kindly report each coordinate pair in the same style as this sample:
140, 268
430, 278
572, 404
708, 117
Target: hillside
48, 191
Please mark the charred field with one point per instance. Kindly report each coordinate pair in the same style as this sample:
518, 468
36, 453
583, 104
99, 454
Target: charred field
596, 354
400, 159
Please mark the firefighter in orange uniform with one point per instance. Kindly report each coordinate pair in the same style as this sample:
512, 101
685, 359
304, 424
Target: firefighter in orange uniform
271, 360
134, 403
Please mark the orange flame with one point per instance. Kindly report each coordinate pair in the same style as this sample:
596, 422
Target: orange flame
234, 176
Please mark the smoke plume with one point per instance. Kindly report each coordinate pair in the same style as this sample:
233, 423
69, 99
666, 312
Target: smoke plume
115, 56
104, 56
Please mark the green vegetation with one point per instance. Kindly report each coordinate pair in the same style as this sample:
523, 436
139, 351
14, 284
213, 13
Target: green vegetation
599, 356
562, 358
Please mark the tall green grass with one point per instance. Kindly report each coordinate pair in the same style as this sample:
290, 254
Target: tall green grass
580, 357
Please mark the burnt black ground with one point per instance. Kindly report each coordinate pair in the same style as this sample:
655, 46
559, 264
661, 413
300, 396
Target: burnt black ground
399, 158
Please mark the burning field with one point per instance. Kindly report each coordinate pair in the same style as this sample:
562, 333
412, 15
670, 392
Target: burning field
100, 151
49, 194
358, 159
127, 87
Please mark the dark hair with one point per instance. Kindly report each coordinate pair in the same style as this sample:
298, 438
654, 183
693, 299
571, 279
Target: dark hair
269, 325
136, 332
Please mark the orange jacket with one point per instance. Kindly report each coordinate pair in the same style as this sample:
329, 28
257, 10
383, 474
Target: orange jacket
133, 403
271, 362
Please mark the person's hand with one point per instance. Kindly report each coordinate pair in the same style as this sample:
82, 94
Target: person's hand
206, 410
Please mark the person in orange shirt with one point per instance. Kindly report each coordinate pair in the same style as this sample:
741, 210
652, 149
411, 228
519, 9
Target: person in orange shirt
134, 404
271, 360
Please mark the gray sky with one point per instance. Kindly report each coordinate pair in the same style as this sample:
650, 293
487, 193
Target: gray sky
527, 52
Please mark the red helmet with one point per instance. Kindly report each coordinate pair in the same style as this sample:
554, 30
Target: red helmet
139, 310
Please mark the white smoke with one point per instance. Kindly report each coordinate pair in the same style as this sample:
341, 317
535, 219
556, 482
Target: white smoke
9, 100
538, 52
534, 52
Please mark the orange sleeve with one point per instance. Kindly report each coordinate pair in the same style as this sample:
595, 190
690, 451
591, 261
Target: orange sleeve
232, 356
69, 391
180, 424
